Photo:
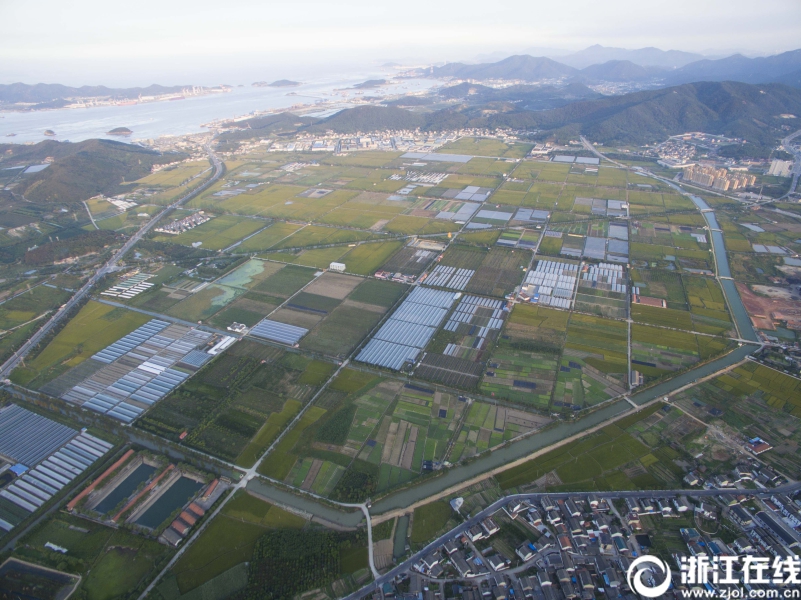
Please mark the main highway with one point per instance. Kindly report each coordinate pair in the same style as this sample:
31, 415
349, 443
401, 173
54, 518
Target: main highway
108, 267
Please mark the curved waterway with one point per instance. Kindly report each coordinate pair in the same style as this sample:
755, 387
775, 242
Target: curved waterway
506, 454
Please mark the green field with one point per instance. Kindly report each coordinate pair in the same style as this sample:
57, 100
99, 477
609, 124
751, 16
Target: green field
237, 404
428, 520
216, 234
113, 562
230, 539
593, 462
29, 305
92, 329
268, 238
486, 147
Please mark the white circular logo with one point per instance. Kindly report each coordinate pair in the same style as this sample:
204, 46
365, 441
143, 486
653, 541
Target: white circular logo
638, 569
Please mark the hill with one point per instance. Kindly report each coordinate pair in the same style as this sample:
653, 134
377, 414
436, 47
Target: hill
53, 92
369, 118
370, 84
597, 54
739, 68
262, 127
527, 97
82, 170
620, 70
727, 108
527, 68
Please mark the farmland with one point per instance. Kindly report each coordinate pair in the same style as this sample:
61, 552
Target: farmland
594, 363
114, 563
93, 328
368, 435
216, 234
230, 540
632, 453
238, 404
473, 366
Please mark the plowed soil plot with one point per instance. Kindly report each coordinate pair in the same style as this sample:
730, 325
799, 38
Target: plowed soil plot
499, 273
782, 306
449, 370
409, 261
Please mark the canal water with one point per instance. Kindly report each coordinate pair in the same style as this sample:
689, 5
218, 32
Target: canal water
736, 306
175, 497
126, 487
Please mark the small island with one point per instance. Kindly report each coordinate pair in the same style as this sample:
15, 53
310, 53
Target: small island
49, 132
370, 83
119, 131
279, 83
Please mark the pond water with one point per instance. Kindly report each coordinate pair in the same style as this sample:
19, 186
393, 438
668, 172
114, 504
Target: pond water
179, 494
126, 487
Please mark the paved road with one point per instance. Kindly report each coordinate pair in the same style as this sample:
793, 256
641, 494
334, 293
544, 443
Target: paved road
498, 504
19, 355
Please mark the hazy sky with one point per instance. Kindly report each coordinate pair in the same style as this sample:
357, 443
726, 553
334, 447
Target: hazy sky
176, 42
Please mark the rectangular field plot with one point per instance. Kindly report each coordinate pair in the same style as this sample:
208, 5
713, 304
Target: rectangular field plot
603, 291
594, 364
500, 271
93, 328
346, 325
368, 435
488, 425
409, 261
239, 403
594, 461
523, 367
266, 239
521, 376
283, 283
314, 235
204, 304
660, 284
319, 258
220, 232
707, 305
656, 351
685, 302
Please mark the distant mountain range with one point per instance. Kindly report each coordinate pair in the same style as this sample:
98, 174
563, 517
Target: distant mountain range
651, 57
741, 68
527, 68
734, 109
648, 65
50, 92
